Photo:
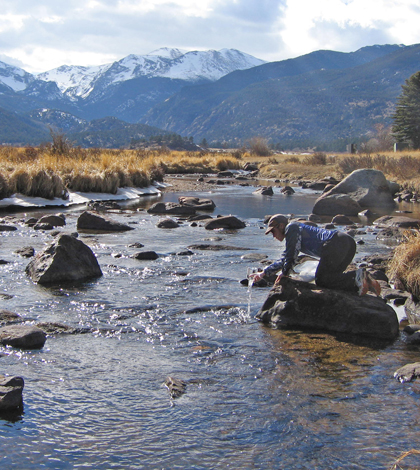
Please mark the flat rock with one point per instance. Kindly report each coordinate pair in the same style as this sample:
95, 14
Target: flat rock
171, 208
197, 203
51, 328
397, 221
6, 317
408, 372
90, 222
303, 305
22, 336
226, 222
7, 228
212, 247
145, 255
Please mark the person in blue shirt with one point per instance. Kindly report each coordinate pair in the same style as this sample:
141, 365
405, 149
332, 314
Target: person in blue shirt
334, 249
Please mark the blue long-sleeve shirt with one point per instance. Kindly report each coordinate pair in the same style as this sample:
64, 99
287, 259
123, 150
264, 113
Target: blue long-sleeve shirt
299, 238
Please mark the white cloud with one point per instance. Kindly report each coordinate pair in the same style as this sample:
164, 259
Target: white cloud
46, 34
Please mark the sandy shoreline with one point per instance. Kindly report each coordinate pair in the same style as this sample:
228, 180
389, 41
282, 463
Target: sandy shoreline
188, 183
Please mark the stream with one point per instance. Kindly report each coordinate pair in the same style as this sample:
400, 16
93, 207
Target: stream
254, 397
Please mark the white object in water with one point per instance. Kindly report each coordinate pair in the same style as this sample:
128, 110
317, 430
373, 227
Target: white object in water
306, 271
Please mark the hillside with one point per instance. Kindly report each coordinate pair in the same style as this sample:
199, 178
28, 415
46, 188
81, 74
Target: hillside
312, 100
17, 130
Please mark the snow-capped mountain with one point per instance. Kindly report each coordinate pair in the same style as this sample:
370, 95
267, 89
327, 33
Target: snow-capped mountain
78, 82
74, 81
125, 89
14, 78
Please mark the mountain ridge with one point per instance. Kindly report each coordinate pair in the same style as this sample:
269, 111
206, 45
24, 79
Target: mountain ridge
320, 97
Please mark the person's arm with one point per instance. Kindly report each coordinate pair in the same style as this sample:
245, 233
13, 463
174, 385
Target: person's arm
289, 256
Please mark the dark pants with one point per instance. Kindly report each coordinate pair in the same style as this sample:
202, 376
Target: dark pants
336, 255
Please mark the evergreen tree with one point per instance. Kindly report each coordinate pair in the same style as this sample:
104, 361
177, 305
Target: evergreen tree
407, 115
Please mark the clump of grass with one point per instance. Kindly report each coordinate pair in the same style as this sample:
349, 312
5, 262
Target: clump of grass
293, 159
401, 167
398, 463
318, 158
5, 190
405, 263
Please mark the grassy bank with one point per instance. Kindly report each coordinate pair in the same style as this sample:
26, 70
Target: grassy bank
34, 172
50, 173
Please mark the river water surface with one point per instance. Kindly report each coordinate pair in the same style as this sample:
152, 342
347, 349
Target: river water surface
254, 397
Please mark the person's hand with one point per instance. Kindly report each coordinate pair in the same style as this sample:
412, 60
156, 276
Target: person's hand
278, 279
255, 277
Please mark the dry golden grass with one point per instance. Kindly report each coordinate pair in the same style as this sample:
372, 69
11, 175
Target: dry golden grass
44, 171
41, 172
405, 264
398, 465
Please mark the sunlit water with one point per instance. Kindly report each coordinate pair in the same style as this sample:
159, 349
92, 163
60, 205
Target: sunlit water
255, 397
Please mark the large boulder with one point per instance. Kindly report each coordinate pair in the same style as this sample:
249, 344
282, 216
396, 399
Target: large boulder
303, 305
11, 389
22, 336
367, 187
65, 259
90, 222
333, 204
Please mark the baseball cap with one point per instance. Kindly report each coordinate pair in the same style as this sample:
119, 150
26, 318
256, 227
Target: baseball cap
276, 220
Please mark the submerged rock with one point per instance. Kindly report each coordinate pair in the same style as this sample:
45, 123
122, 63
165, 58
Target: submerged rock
304, 305
176, 387
66, 259
210, 247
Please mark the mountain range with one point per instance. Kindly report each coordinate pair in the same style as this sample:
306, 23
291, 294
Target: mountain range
324, 98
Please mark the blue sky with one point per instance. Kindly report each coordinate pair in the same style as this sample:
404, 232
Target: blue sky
44, 34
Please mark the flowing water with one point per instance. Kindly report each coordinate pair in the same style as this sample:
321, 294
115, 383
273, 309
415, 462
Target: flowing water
254, 397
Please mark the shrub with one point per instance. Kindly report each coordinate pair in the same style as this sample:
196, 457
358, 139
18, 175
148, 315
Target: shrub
259, 147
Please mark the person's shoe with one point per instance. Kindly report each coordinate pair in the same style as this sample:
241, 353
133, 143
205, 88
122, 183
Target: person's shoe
374, 285
362, 281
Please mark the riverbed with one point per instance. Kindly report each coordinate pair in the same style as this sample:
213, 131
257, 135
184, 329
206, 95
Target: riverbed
254, 397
